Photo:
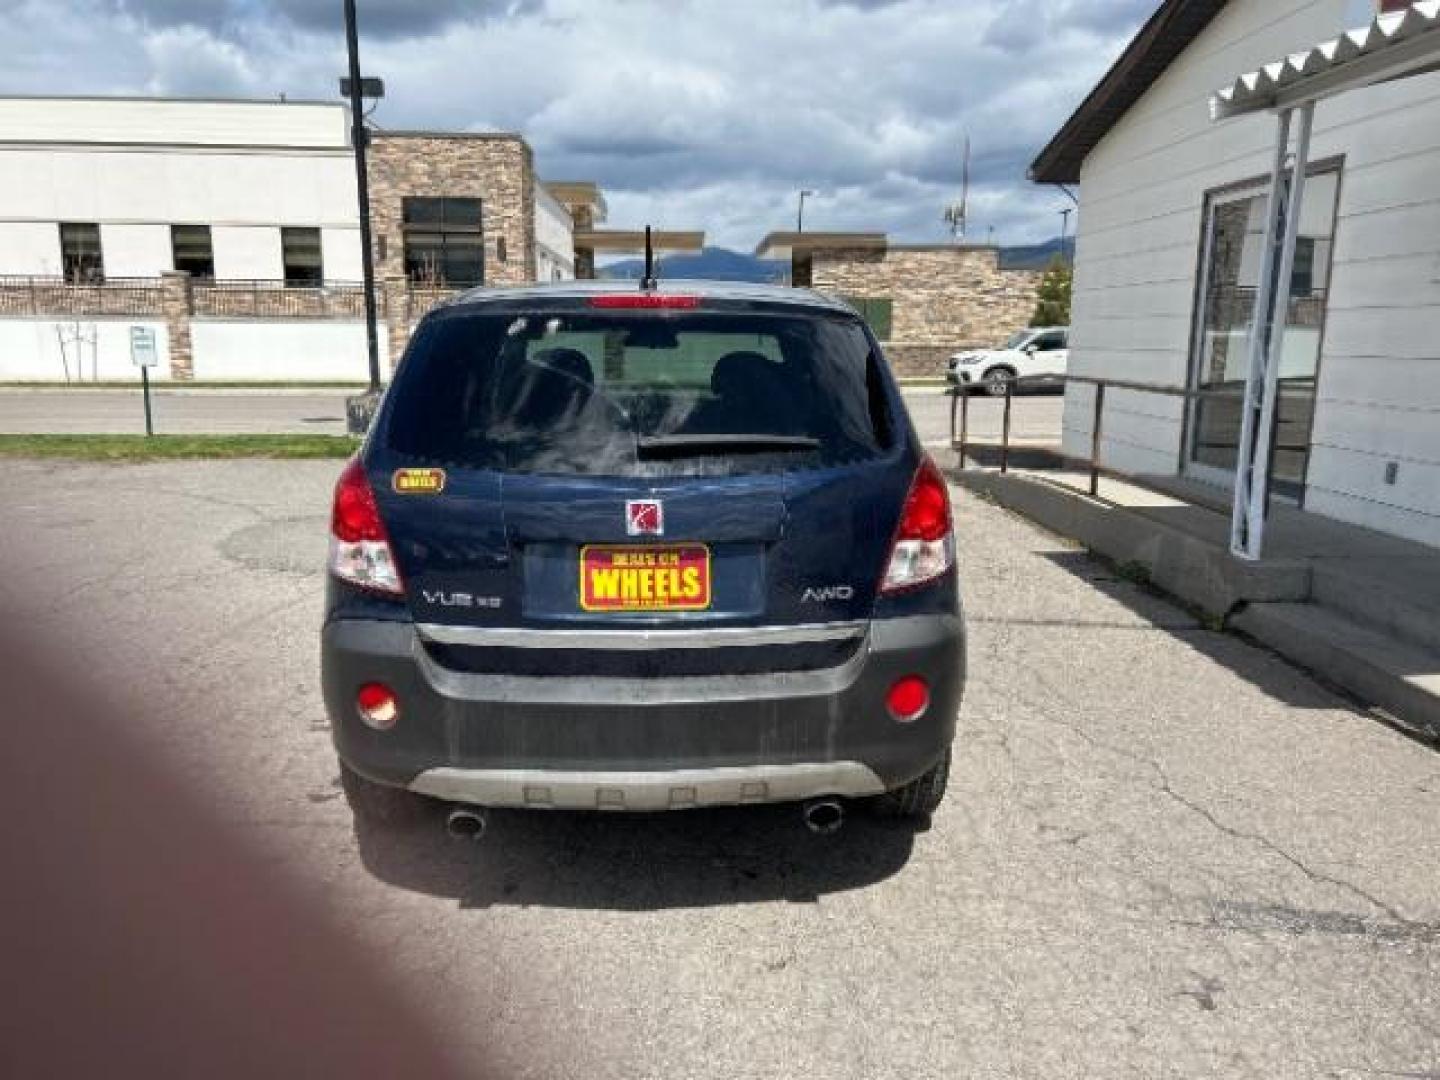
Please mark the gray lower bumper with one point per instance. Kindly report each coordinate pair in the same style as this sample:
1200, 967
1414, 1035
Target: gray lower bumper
643, 742
671, 789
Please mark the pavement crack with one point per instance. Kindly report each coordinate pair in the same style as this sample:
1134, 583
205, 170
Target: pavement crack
1318, 877
1163, 784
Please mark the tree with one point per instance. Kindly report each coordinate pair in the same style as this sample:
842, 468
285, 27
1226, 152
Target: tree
1053, 308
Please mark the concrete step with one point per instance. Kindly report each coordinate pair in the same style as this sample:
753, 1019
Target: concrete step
1399, 600
1400, 677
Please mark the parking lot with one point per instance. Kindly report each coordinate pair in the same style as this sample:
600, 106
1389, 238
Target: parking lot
1036, 417
1165, 852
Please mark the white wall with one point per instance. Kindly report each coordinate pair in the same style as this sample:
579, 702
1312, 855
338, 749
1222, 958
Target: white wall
554, 238
30, 248
32, 350
1142, 196
318, 350
136, 251
247, 253
340, 253
203, 187
171, 122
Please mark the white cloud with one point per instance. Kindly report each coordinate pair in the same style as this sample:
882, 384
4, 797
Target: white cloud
691, 113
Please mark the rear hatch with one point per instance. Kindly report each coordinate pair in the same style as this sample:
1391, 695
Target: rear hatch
581, 466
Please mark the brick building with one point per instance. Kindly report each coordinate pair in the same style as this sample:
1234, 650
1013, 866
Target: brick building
231, 229
923, 301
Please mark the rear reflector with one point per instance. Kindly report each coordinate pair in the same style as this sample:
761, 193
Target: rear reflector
908, 698
924, 546
359, 546
644, 300
377, 705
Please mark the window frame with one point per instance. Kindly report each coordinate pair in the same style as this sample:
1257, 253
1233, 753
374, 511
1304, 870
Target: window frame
1252, 187
296, 275
73, 265
175, 229
447, 230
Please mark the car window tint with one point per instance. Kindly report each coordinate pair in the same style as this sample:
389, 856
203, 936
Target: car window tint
581, 392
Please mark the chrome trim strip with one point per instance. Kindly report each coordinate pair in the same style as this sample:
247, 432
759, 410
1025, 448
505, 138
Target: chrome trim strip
670, 789
696, 638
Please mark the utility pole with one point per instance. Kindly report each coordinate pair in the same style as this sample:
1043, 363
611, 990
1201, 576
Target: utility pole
800, 215
358, 139
1065, 233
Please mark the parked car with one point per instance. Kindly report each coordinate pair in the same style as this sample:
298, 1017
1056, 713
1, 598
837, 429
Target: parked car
642, 550
1032, 357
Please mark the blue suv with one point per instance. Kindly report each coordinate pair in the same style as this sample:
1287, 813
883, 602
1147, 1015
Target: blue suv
642, 549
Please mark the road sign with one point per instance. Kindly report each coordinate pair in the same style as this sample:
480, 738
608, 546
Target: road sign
143, 353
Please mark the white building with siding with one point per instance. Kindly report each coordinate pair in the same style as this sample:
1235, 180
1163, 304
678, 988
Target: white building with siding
1168, 254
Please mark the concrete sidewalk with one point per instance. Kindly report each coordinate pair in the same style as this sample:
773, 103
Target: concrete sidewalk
1357, 607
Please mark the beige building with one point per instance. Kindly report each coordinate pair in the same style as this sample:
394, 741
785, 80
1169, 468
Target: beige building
924, 301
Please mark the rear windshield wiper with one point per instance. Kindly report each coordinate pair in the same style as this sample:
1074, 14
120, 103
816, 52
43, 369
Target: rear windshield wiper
657, 446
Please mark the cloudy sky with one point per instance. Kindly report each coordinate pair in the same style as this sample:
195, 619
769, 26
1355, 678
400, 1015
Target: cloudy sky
691, 113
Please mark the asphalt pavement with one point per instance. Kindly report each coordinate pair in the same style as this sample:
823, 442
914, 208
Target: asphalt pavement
1165, 853
1036, 417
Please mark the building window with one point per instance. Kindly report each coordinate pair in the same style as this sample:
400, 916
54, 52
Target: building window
80, 258
304, 264
878, 313
444, 241
190, 245
1232, 255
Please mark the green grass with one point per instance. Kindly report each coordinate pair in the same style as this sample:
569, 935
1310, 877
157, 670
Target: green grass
170, 447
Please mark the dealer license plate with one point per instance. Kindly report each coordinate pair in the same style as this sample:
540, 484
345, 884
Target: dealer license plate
670, 577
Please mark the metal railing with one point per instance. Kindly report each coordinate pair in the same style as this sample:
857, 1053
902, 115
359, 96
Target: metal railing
277, 300
54, 296
960, 415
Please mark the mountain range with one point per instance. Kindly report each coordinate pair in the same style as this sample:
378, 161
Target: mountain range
722, 264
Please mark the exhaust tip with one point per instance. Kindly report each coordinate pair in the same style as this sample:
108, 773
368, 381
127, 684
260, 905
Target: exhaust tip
466, 823
823, 817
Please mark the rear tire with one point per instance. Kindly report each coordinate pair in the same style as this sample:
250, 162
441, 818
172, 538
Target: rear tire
920, 798
379, 804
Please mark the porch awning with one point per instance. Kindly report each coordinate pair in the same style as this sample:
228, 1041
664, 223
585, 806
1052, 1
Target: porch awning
1393, 45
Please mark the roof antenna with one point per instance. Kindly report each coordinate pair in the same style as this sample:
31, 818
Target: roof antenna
648, 281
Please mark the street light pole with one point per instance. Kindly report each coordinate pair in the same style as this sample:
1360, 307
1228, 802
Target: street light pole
800, 216
358, 139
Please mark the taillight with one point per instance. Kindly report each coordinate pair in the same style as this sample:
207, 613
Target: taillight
359, 546
924, 545
623, 301
908, 698
377, 706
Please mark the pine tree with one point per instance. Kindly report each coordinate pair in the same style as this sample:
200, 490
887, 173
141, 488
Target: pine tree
1053, 308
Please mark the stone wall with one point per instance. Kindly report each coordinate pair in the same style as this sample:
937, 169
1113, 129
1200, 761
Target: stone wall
944, 298
499, 170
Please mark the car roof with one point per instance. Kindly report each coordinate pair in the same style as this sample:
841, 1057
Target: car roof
744, 291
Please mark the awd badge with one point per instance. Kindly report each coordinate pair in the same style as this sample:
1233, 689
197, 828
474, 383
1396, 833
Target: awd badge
418, 481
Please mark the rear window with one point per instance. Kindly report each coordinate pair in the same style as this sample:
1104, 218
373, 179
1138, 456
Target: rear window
626, 393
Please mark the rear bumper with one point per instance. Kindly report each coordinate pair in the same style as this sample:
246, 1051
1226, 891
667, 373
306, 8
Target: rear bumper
651, 743
661, 789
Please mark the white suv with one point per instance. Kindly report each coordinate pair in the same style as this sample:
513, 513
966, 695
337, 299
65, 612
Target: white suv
1034, 356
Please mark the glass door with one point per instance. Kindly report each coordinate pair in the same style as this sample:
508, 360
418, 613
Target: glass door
1234, 250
